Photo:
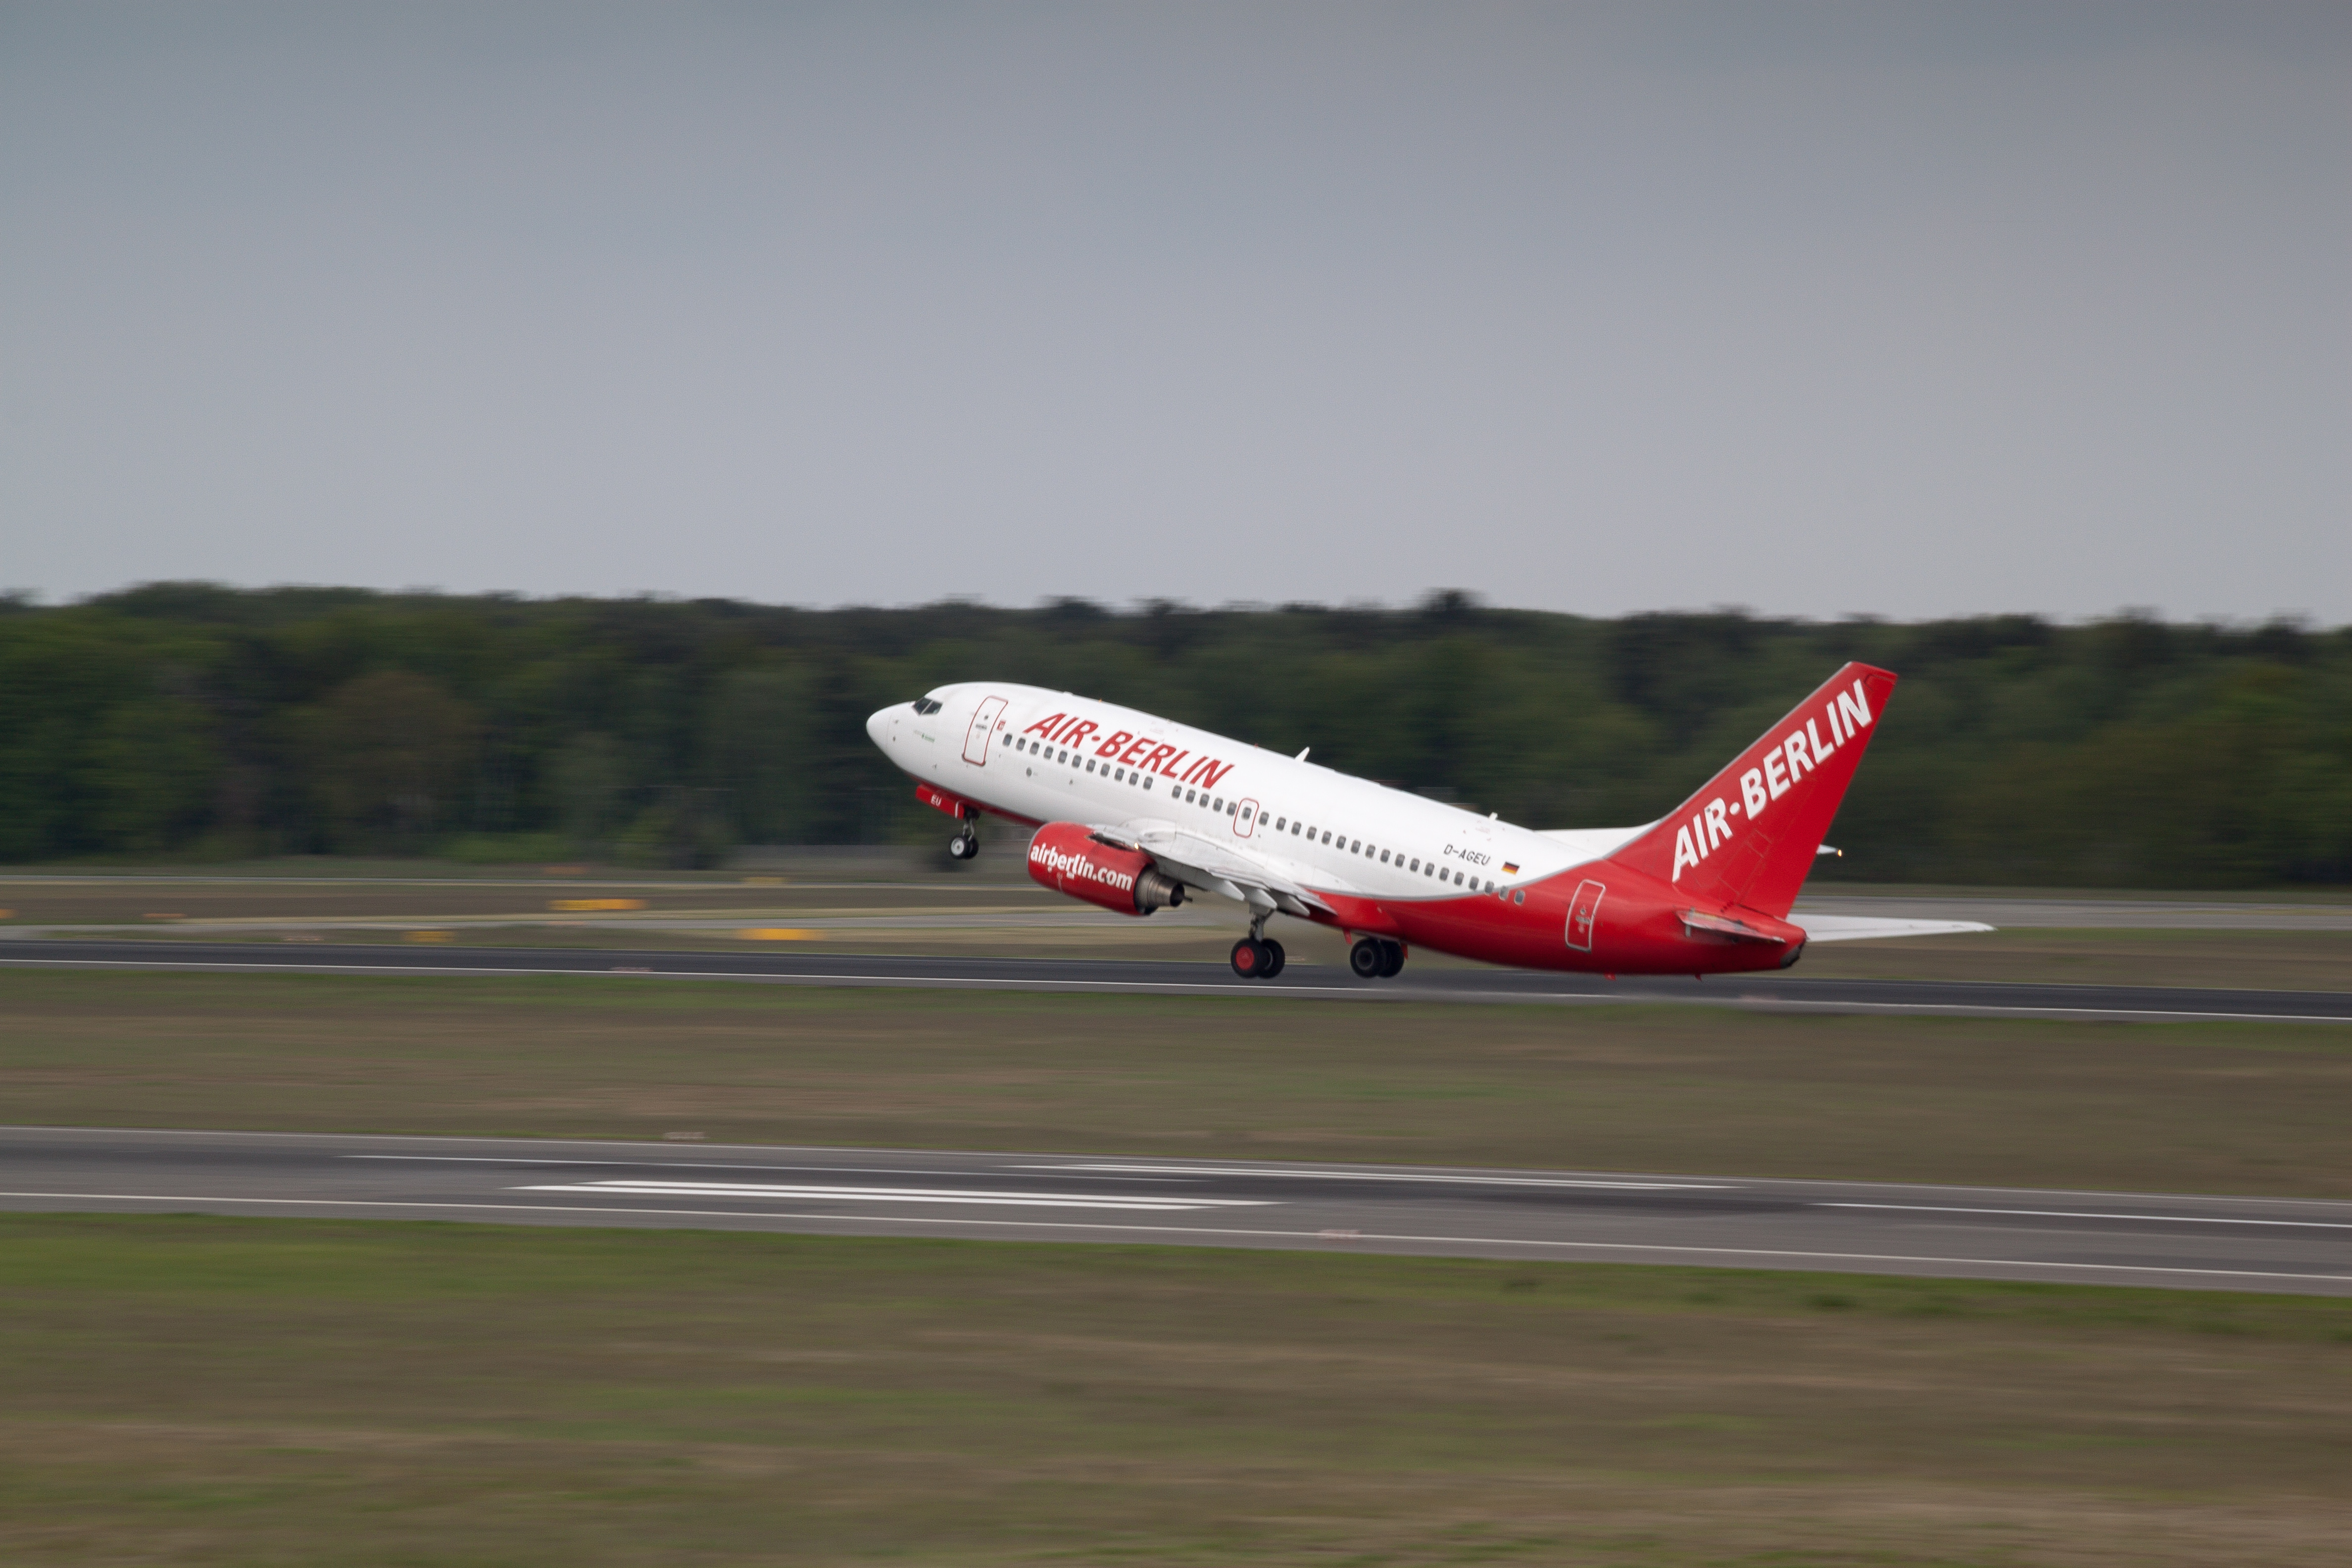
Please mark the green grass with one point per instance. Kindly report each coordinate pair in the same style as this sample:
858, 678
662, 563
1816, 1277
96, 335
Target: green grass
187, 1390
2218, 1107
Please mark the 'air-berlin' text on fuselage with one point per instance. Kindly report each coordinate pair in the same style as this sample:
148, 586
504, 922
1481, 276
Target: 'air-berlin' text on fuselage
1123, 748
1797, 754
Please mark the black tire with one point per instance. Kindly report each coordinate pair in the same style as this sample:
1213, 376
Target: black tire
1277, 957
1367, 959
1395, 964
959, 847
1250, 959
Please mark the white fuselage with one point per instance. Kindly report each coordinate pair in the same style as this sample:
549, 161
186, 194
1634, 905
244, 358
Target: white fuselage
1049, 756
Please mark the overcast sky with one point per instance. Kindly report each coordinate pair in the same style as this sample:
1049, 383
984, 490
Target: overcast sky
1814, 309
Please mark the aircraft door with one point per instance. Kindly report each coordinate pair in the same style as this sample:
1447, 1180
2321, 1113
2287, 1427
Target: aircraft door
1584, 914
983, 725
1245, 819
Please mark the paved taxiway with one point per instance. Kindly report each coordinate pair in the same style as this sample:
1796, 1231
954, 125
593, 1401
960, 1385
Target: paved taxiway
1778, 991
2273, 1244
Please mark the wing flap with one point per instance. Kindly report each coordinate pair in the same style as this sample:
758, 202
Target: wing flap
1225, 868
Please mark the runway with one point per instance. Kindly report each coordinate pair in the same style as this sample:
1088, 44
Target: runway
1775, 991
2241, 1243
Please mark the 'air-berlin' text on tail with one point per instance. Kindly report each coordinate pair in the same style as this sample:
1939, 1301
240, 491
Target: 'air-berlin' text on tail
1748, 837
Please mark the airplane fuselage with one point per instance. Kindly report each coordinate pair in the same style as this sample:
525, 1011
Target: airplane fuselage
1120, 797
1048, 756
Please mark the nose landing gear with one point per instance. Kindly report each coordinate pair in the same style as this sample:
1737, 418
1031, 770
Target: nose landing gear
964, 844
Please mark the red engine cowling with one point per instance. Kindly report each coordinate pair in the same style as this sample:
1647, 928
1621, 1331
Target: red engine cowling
1069, 859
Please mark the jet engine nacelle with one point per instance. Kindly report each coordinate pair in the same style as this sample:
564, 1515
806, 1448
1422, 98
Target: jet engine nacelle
1066, 858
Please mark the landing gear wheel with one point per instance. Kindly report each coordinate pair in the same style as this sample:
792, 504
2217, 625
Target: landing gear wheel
1250, 959
1367, 959
1394, 965
1274, 958
964, 847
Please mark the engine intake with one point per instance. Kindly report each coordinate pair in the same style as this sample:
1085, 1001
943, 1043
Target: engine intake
1066, 858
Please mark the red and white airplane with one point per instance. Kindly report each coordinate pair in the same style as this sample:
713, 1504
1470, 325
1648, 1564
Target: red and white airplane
1136, 814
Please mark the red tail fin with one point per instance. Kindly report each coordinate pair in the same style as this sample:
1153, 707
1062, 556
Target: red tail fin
1750, 835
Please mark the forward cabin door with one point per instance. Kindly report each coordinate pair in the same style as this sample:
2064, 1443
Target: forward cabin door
983, 725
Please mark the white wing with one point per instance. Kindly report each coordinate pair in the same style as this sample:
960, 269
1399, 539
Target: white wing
1594, 843
1236, 871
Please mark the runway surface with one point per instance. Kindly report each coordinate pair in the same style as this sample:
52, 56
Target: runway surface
1776, 991
2243, 1244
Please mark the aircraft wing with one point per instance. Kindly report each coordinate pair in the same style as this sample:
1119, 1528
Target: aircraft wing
1233, 870
1594, 843
1866, 928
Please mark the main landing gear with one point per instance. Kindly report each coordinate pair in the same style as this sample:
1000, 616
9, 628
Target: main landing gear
1258, 956
1376, 958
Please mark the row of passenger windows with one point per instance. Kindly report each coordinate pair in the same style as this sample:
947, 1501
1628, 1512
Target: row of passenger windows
1064, 758
1223, 808
1387, 857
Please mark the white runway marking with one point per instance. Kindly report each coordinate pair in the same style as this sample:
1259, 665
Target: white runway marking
2071, 1214
1728, 1255
804, 1193
665, 1164
1104, 1169
1227, 988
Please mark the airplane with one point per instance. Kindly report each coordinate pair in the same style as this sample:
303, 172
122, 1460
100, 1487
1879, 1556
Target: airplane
1135, 813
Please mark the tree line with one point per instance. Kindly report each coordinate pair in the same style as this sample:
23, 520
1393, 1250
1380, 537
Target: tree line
188, 720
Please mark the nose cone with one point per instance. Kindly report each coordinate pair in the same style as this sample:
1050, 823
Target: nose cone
878, 724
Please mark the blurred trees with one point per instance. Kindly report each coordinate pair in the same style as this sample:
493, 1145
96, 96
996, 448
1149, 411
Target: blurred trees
188, 720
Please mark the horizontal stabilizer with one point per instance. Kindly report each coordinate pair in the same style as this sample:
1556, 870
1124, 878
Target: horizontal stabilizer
1866, 928
1723, 925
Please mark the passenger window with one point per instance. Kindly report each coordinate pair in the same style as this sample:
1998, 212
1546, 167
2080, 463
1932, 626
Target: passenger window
1416, 863
1520, 897
1327, 837
1220, 806
1090, 767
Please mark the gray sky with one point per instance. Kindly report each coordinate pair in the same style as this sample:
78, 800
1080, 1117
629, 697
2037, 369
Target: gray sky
1815, 309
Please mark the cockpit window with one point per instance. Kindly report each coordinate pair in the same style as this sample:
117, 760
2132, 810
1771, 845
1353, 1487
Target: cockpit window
925, 705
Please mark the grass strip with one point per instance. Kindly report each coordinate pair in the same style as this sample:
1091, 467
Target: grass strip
2222, 1107
185, 1389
